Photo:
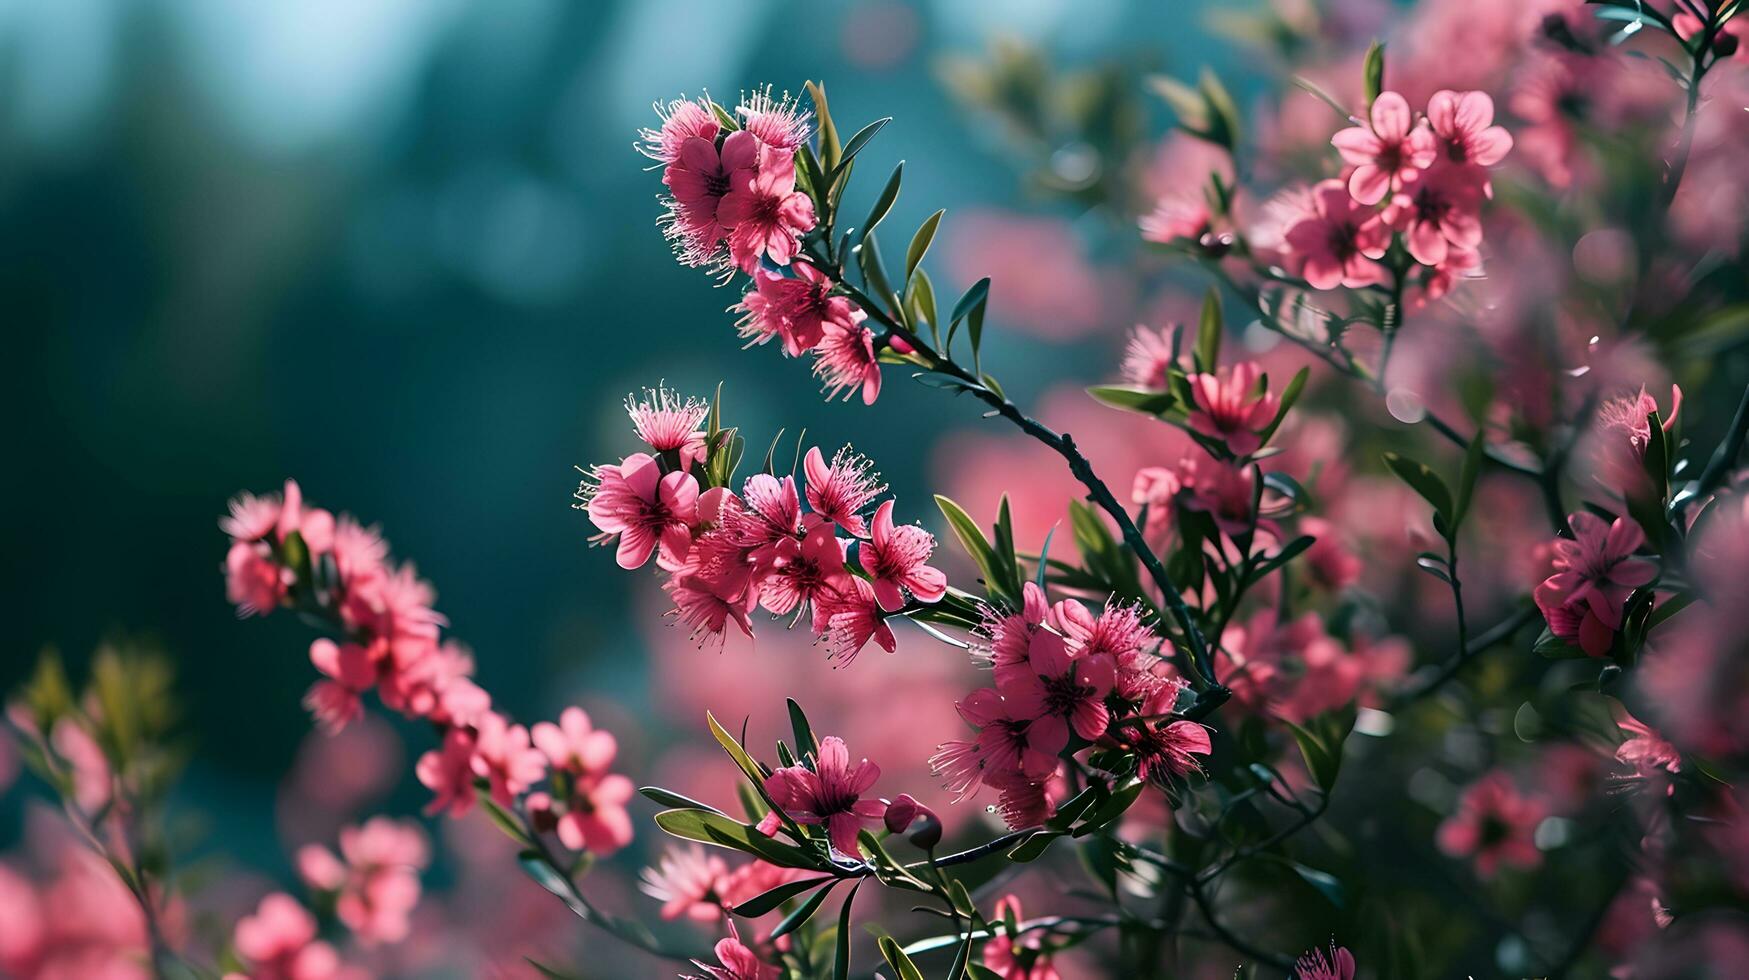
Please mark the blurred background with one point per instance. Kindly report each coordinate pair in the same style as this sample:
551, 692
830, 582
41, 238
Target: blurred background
404, 252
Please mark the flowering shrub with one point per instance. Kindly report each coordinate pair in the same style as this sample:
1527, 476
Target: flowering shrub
1228, 685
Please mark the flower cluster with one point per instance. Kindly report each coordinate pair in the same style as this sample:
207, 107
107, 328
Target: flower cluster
1421, 177
285, 554
374, 880
1064, 673
727, 554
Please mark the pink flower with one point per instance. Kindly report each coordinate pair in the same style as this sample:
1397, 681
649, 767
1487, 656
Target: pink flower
1625, 430
573, 746
1053, 684
829, 795
1165, 749
1334, 566
1595, 572
1440, 210
1337, 243
1009, 745
1020, 957
93, 780
1493, 826
1463, 123
797, 309
1459, 264
738, 962
814, 575
254, 582
1336, 963
688, 883
1230, 407
1388, 152
251, 518
448, 771
1156, 487
682, 119
595, 817
279, 942
1221, 489
845, 361
700, 177
838, 493
1011, 633
852, 617
895, 559
376, 877
504, 757
1147, 358
1652, 757
904, 811
646, 509
1120, 634
780, 123
764, 212
704, 611
351, 671
1177, 217
669, 424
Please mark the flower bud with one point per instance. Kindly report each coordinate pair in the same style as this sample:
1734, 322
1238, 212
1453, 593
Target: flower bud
906, 811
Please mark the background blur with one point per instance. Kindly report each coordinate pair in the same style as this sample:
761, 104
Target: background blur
403, 251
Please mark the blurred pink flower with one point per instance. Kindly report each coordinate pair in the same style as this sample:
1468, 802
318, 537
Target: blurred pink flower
1336, 963
1016, 957
1230, 408
505, 758
688, 882
1387, 153
1493, 826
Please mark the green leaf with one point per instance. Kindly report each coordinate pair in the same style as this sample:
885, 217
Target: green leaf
884, 202
1322, 761
1374, 71
1208, 333
841, 961
1423, 481
857, 142
804, 732
1034, 846
1325, 883
897, 959
874, 271
765, 901
1473, 457
709, 827
1133, 398
1288, 396
1007, 560
803, 912
920, 297
973, 297
511, 827
753, 770
961, 959
920, 243
972, 539
1121, 799
669, 798
829, 147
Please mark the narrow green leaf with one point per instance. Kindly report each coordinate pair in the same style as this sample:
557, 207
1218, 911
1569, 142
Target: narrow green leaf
673, 800
884, 202
804, 732
1473, 457
765, 901
549, 972
920, 296
708, 827
972, 539
1208, 333
897, 959
803, 912
1133, 398
1423, 481
1288, 396
829, 146
858, 141
974, 296
511, 827
841, 960
1374, 71
920, 243
1033, 847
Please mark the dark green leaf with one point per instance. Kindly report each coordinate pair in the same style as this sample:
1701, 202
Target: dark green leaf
884, 203
1148, 401
897, 959
1288, 396
673, 800
802, 913
841, 960
1031, 848
1423, 481
920, 243
857, 142
804, 732
1473, 457
765, 901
